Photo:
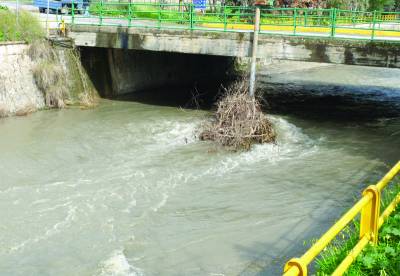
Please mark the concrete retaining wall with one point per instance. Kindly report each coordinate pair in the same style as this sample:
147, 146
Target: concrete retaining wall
18, 90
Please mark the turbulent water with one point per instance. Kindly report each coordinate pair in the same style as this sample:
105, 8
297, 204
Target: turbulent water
127, 189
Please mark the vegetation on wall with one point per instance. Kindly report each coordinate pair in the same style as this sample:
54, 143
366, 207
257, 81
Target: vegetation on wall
59, 75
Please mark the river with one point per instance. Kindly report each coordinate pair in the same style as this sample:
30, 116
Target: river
127, 189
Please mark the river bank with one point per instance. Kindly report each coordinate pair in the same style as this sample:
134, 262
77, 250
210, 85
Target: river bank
36, 72
37, 75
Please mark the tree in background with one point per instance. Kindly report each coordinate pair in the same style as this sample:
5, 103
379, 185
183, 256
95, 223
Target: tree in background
381, 5
397, 5
356, 5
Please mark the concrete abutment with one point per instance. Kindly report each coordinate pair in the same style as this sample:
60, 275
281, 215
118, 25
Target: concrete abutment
117, 71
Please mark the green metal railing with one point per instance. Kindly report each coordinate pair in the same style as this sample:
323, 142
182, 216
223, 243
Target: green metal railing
334, 23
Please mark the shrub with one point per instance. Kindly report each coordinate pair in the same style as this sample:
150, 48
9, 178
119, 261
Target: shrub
27, 28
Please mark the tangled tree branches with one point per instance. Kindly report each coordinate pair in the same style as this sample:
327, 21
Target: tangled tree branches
239, 121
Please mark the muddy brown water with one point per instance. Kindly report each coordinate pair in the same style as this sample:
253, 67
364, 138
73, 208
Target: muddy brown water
127, 189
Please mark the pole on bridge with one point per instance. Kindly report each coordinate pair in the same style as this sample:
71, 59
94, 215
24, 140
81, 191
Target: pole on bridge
254, 53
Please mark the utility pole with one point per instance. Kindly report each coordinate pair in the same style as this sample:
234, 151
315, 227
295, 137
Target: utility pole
17, 9
17, 18
47, 18
254, 53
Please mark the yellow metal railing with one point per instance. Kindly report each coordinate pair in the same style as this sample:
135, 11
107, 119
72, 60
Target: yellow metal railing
389, 17
369, 207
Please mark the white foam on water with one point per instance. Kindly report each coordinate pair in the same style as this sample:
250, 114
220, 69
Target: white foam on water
175, 133
55, 229
161, 203
291, 143
54, 207
117, 265
166, 186
168, 135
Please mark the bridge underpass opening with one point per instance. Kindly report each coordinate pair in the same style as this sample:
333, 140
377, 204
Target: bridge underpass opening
157, 77
306, 89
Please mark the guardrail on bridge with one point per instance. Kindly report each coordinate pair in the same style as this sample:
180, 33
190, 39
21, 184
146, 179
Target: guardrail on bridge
334, 23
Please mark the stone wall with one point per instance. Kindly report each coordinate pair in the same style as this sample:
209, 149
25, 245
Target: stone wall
18, 91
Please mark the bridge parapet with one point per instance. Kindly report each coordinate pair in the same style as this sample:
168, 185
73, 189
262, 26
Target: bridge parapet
238, 44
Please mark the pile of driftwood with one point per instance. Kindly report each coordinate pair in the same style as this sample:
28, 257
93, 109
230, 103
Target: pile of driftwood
239, 121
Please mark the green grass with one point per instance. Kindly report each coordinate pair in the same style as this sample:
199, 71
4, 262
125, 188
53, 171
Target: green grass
383, 259
151, 12
27, 28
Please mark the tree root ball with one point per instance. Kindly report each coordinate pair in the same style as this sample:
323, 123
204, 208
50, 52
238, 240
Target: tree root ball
239, 122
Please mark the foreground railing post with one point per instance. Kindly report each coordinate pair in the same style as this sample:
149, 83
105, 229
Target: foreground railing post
371, 221
296, 263
254, 53
370, 215
294, 20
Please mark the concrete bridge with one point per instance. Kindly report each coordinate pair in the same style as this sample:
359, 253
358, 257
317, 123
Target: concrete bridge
239, 44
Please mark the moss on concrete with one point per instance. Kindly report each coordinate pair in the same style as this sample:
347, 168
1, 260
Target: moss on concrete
60, 76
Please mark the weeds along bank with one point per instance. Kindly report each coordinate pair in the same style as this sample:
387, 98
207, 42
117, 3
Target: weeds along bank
26, 28
35, 74
60, 76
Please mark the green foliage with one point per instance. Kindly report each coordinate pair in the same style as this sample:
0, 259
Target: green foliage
383, 259
27, 28
380, 5
338, 250
396, 5
339, 4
